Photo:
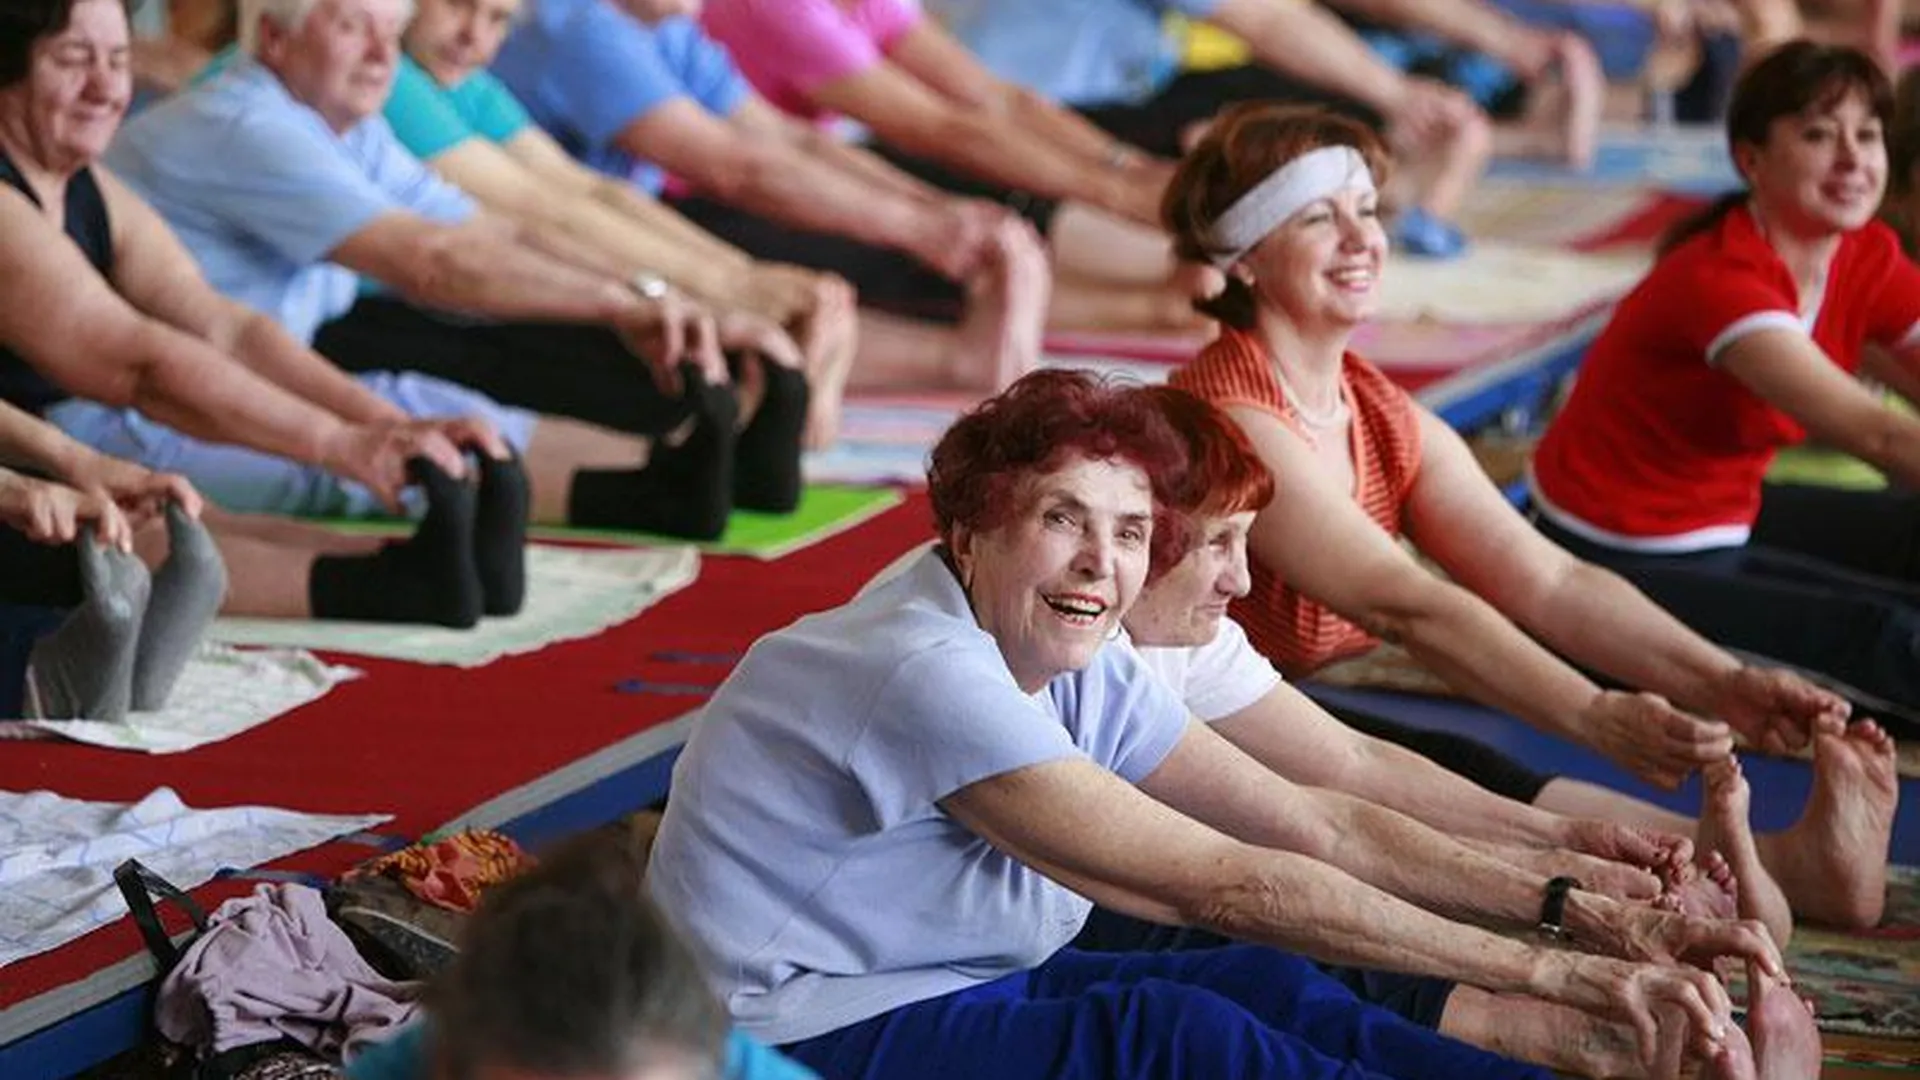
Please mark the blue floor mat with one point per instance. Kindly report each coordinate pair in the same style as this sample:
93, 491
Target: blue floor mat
1684, 160
1780, 786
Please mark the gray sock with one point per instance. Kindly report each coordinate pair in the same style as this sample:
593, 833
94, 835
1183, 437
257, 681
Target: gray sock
187, 592
84, 669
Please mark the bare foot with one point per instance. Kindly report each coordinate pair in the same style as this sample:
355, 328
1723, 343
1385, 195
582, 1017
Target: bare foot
829, 338
999, 340
1707, 891
1562, 120
1781, 1029
1832, 864
1726, 831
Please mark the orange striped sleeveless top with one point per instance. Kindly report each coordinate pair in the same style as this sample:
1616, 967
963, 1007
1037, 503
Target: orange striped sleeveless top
1298, 634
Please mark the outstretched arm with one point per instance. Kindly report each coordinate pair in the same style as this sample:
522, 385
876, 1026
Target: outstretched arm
1142, 854
73, 328
931, 55
156, 275
771, 176
1287, 732
920, 120
1586, 612
1321, 542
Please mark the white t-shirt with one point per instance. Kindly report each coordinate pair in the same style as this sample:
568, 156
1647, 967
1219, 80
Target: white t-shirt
1217, 679
804, 851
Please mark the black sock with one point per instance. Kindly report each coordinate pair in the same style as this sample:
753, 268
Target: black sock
427, 578
685, 490
500, 535
766, 472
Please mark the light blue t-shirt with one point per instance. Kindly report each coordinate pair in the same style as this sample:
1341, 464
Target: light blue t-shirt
804, 851
1077, 52
585, 70
260, 190
430, 119
406, 1057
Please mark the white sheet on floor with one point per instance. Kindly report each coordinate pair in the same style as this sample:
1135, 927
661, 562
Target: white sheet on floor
223, 692
57, 855
571, 593
1505, 283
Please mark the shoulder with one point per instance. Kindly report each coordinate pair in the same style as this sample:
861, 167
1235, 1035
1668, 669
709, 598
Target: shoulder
1232, 368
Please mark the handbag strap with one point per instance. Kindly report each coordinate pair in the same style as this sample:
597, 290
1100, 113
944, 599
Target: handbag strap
139, 886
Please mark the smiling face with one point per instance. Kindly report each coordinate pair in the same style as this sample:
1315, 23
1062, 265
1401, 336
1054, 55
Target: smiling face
77, 88
1052, 582
1184, 606
340, 60
1321, 267
452, 39
1822, 170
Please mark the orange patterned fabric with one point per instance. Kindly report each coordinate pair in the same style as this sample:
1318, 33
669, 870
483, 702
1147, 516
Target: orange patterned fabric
452, 872
1298, 634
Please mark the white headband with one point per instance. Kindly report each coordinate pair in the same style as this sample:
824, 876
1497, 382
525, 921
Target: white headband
1308, 178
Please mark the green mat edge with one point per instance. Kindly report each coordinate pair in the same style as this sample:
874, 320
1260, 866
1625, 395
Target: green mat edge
831, 509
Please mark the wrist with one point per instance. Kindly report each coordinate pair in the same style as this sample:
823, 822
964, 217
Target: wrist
1588, 920
326, 441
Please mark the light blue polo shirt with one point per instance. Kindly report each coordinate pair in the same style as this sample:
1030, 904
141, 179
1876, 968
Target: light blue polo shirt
429, 119
586, 69
260, 190
1076, 52
804, 850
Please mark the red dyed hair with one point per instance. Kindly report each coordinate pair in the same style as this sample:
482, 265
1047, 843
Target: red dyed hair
1224, 474
983, 463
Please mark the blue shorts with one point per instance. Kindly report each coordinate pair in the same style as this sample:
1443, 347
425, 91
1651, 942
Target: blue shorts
1238, 1011
236, 478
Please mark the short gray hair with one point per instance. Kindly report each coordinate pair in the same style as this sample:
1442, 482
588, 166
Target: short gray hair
288, 15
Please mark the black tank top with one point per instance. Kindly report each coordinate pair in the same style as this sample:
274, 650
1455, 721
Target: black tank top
86, 223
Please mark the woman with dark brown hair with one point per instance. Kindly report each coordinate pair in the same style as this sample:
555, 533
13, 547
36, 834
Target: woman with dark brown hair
1284, 201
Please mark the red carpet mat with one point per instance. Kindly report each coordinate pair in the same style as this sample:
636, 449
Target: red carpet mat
427, 743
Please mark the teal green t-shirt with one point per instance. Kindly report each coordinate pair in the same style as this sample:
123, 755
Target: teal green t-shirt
430, 119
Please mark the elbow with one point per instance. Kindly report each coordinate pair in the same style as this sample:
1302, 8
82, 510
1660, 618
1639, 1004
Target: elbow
738, 177
430, 271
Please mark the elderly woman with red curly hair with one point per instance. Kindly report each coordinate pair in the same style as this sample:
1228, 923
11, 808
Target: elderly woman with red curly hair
895, 815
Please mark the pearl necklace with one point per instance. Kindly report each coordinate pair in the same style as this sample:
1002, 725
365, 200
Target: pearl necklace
1324, 418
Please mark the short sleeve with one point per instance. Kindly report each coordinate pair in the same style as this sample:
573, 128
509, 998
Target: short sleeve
799, 45
889, 20
491, 109
704, 68
1713, 303
606, 71
408, 181
948, 717
290, 186
1130, 719
421, 116
1227, 675
1894, 317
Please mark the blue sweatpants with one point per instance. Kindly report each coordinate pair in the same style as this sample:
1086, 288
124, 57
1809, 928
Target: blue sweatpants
1220, 1014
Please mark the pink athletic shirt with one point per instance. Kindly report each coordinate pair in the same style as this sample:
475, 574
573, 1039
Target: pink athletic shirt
790, 48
